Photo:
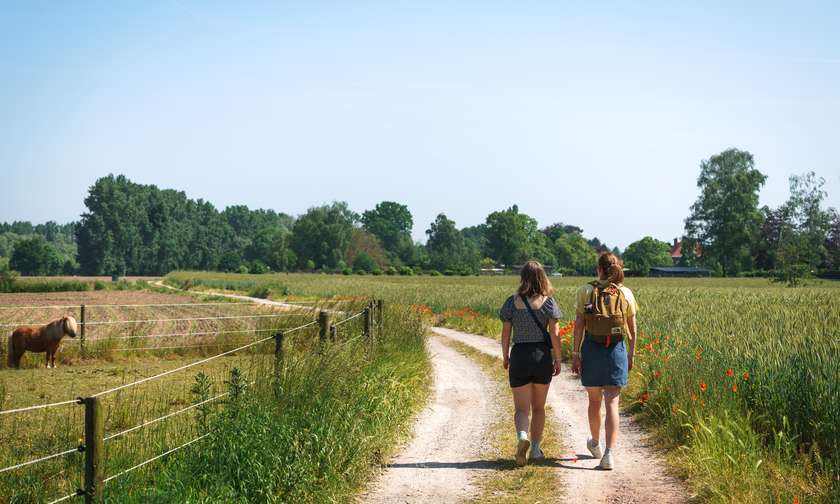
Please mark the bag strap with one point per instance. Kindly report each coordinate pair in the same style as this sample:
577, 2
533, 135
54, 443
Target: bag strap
537, 321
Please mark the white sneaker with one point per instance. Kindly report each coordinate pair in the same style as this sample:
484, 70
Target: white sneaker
606, 462
522, 452
594, 447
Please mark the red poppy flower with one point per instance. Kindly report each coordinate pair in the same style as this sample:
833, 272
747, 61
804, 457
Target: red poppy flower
703, 386
657, 374
730, 373
746, 375
645, 397
734, 388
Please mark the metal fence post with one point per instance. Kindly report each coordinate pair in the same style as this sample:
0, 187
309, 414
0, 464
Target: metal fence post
82, 333
324, 323
94, 433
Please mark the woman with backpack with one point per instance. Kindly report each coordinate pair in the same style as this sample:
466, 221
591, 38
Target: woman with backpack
606, 316
534, 357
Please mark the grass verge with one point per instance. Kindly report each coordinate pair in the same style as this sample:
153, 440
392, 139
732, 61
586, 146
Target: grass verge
534, 483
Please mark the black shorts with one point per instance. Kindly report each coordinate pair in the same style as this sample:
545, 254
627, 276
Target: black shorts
530, 363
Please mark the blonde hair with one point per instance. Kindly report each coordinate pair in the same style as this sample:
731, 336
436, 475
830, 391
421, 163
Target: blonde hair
534, 281
612, 268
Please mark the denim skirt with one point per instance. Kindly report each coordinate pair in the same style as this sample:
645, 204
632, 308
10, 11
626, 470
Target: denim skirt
603, 366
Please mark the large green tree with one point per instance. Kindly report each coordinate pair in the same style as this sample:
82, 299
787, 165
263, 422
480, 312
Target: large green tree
448, 249
322, 234
512, 237
644, 254
391, 223
725, 218
832, 242
573, 252
34, 256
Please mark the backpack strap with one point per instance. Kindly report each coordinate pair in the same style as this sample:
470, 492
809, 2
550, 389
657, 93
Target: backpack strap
537, 321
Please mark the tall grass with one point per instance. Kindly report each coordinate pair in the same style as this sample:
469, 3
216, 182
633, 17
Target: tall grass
766, 431
313, 435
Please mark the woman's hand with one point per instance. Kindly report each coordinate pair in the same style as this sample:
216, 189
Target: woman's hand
505, 361
576, 364
556, 367
630, 363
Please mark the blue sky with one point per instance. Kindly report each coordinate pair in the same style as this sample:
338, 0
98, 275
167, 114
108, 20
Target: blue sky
596, 116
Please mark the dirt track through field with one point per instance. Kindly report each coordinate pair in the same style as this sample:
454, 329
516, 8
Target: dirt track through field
640, 475
442, 460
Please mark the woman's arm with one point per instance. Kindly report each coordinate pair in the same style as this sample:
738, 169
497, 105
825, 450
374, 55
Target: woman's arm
506, 328
631, 324
579, 323
554, 334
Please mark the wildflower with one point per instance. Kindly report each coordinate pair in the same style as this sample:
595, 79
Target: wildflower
645, 397
693, 397
795, 500
657, 374
649, 347
746, 375
703, 386
730, 373
698, 356
734, 388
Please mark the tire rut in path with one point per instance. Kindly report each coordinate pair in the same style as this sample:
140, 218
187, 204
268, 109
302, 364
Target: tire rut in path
640, 475
443, 459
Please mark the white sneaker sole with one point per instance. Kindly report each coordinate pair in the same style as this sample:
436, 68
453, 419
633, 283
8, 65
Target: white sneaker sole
522, 451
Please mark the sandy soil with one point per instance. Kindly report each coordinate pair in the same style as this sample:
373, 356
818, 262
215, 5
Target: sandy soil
442, 460
640, 475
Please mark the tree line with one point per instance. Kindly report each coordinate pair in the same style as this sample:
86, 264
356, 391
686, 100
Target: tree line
136, 229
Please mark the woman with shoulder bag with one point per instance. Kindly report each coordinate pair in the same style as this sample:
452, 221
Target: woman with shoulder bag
534, 357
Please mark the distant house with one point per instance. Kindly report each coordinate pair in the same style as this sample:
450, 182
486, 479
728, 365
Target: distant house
492, 271
679, 271
677, 251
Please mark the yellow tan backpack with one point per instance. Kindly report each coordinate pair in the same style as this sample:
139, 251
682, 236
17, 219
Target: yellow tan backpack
604, 314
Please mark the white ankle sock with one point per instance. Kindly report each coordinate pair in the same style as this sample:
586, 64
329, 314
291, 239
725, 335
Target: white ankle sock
522, 435
535, 446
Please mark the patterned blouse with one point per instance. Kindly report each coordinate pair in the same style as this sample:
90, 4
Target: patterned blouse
525, 330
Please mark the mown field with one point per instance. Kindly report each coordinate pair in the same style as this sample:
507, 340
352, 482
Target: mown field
134, 335
739, 378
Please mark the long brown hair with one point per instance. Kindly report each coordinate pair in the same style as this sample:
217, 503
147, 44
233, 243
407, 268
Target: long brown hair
534, 281
612, 268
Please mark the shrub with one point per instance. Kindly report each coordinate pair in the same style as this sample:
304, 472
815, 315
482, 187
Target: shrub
406, 271
377, 271
390, 270
99, 285
346, 271
449, 272
243, 270
434, 273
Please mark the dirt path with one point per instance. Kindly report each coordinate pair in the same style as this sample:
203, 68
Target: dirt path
443, 458
640, 475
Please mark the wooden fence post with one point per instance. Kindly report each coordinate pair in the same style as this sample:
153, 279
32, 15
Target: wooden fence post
82, 333
94, 432
325, 323
366, 319
278, 353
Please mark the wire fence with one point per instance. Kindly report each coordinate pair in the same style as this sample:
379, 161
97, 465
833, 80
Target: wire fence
354, 327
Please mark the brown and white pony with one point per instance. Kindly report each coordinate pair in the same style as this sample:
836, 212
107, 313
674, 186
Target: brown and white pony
40, 339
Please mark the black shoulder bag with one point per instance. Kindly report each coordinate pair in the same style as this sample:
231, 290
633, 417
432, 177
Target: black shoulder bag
537, 321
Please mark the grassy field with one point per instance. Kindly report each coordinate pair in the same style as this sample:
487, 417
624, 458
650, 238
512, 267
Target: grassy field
738, 377
131, 335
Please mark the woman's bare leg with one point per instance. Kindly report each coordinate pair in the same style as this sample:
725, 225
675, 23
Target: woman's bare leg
611, 395
522, 404
539, 392
595, 396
